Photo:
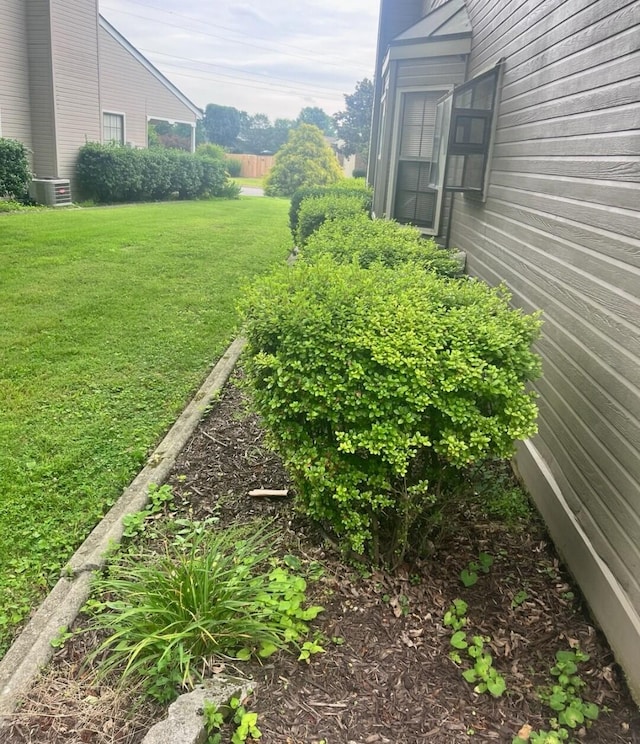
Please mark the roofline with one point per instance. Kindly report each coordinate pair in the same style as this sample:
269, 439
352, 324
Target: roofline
115, 34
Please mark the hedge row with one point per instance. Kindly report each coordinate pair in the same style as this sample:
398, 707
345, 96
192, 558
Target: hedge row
346, 187
369, 241
108, 173
380, 381
15, 174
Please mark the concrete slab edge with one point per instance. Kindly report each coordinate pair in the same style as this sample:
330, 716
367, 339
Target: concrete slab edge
32, 649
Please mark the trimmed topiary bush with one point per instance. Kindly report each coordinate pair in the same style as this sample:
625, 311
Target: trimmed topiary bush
15, 174
369, 241
377, 385
347, 186
305, 160
316, 210
108, 173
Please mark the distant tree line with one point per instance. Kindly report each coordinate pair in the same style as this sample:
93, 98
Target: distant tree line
238, 131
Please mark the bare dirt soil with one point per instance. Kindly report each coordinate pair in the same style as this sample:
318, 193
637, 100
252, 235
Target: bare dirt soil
386, 676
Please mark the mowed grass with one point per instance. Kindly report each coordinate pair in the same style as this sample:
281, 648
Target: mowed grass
254, 183
110, 318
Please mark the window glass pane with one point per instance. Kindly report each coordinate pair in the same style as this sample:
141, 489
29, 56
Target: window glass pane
415, 201
470, 130
466, 172
113, 128
477, 94
418, 125
483, 93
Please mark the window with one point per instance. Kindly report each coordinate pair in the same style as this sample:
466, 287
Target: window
464, 124
113, 128
415, 201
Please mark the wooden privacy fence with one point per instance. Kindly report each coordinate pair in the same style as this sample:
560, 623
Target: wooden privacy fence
253, 166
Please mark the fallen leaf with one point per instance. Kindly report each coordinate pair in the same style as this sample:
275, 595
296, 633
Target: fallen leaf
525, 732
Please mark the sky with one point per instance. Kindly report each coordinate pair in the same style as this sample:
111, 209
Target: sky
273, 57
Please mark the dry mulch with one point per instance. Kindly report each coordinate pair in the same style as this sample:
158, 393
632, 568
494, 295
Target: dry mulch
385, 677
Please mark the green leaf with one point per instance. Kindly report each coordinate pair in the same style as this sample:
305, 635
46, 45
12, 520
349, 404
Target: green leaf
459, 640
496, 686
267, 649
470, 675
468, 578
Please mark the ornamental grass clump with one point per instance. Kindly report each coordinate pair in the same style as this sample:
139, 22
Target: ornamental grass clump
368, 241
376, 385
207, 595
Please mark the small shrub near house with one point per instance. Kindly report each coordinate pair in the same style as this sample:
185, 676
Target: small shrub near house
378, 385
15, 174
305, 160
347, 186
108, 173
316, 210
369, 241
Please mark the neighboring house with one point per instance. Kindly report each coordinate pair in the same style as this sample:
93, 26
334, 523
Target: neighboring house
532, 167
67, 77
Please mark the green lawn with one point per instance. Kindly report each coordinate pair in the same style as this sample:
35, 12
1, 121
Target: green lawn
254, 183
109, 320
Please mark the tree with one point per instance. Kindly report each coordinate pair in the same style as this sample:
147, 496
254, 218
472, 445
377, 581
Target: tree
222, 124
259, 135
316, 116
306, 160
353, 125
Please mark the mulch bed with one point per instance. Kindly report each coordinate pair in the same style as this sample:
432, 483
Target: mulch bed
386, 676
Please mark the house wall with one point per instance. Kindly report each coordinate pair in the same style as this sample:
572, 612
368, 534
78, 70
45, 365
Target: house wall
409, 74
561, 227
15, 117
40, 71
74, 39
143, 96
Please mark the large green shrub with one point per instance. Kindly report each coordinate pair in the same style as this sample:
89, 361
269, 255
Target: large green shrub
305, 160
108, 173
14, 169
316, 210
375, 385
352, 186
367, 241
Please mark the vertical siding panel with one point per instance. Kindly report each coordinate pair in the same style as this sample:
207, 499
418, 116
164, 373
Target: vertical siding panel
43, 125
15, 116
561, 225
74, 34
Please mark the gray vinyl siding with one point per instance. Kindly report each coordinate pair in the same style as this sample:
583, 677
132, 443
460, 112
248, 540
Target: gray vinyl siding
15, 116
74, 25
561, 227
142, 96
43, 127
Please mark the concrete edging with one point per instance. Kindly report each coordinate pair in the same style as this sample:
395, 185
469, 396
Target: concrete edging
32, 649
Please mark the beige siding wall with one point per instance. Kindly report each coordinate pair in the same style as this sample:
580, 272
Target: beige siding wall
143, 95
15, 117
43, 129
561, 226
74, 29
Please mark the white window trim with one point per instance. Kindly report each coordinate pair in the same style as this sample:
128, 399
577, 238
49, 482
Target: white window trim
395, 154
124, 125
192, 124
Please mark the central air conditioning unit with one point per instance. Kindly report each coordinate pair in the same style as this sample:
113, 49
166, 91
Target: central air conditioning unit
54, 192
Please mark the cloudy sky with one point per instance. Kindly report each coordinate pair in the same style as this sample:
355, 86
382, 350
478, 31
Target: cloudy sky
261, 56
